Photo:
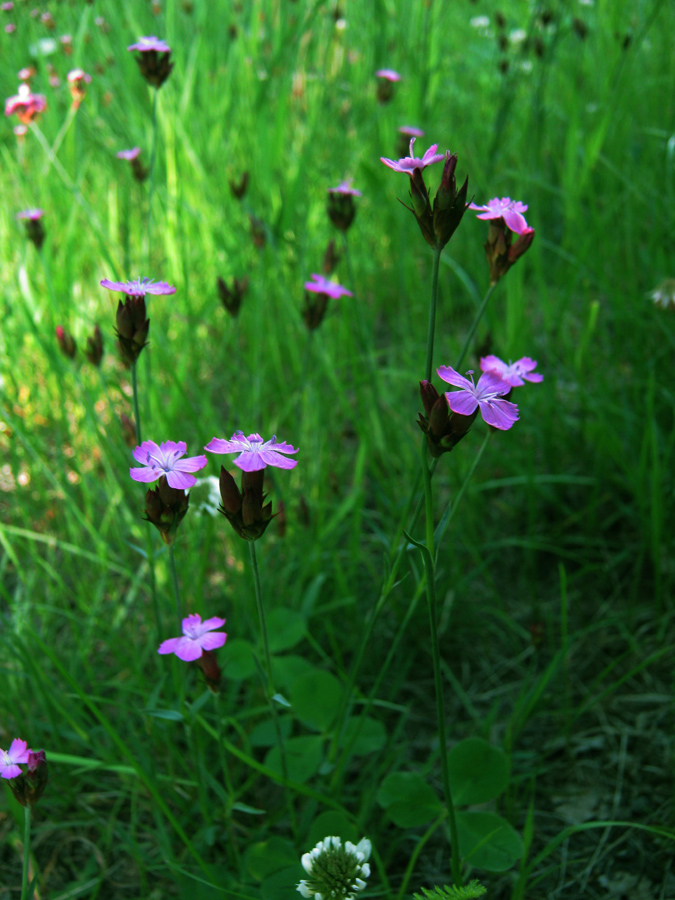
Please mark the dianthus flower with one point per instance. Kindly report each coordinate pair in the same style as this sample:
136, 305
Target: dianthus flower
321, 285
409, 163
387, 78
132, 156
388, 74
410, 131
345, 188
154, 61
35, 231
487, 396
165, 459
511, 211
197, 638
129, 154
139, 288
317, 294
10, 759
336, 872
254, 453
27, 106
77, 78
515, 374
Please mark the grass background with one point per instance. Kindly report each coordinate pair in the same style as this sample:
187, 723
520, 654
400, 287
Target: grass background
556, 574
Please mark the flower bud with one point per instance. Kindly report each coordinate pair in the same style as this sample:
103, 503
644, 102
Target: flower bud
94, 347
244, 509
341, 210
66, 342
165, 508
132, 328
29, 786
208, 663
155, 66
443, 429
231, 297
449, 204
501, 251
314, 309
239, 188
229, 493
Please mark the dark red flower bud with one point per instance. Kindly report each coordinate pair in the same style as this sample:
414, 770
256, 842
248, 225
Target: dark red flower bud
66, 342
208, 663
29, 786
341, 209
132, 328
501, 251
165, 508
229, 493
240, 187
94, 347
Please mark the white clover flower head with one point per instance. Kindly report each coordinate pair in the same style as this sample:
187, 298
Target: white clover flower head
337, 871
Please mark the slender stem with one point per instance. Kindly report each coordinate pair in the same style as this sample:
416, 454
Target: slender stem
270, 679
151, 188
26, 853
432, 313
137, 416
59, 138
428, 555
176, 586
474, 326
261, 617
233, 847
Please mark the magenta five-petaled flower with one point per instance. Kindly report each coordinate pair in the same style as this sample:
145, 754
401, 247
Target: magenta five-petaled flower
409, 163
197, 637
345, 188
511, 211
254, 453
487, 395
32, 214
165, 459
140, 287
515, 374
321, 285
388, 74
129, 154
144, 44
10, 759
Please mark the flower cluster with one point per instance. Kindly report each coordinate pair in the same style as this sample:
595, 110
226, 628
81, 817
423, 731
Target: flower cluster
154, 60
449, 416
25, 105
26, 786
506, 218
337, 871
318, 292
132, 323
437, 222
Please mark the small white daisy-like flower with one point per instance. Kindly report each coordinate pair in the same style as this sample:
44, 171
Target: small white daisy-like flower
664, 294
337, 871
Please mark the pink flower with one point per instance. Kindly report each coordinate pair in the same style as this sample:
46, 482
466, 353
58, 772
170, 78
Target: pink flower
27, 106
411, 131
409, 163
485, 395
511, 211
78, 75
9, 759
254, 454
165, 460
345, 188
321, 285
145, 44
388, 75
129, 154
32, 214
515, 374
196, 638
140, 287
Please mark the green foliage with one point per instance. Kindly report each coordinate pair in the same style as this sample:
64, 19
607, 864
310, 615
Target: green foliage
408, 799
478, 772
470, 891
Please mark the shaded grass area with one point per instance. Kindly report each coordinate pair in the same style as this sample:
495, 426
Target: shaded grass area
555, 577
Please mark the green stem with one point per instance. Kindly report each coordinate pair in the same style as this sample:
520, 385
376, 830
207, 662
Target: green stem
176, 586
432, 313
474, 326
430, 568
26, 853
233, 847
137, 415
51, 156
151, 188
270, 692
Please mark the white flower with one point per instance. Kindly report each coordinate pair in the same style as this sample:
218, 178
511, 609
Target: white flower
337, 871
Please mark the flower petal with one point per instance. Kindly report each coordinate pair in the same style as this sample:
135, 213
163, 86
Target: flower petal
145, 475
272, 458
187, 649
462, 402
447, 373
213, 622
169, 646
181, 481
190, 464
501, 414
212, 640
250, 462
